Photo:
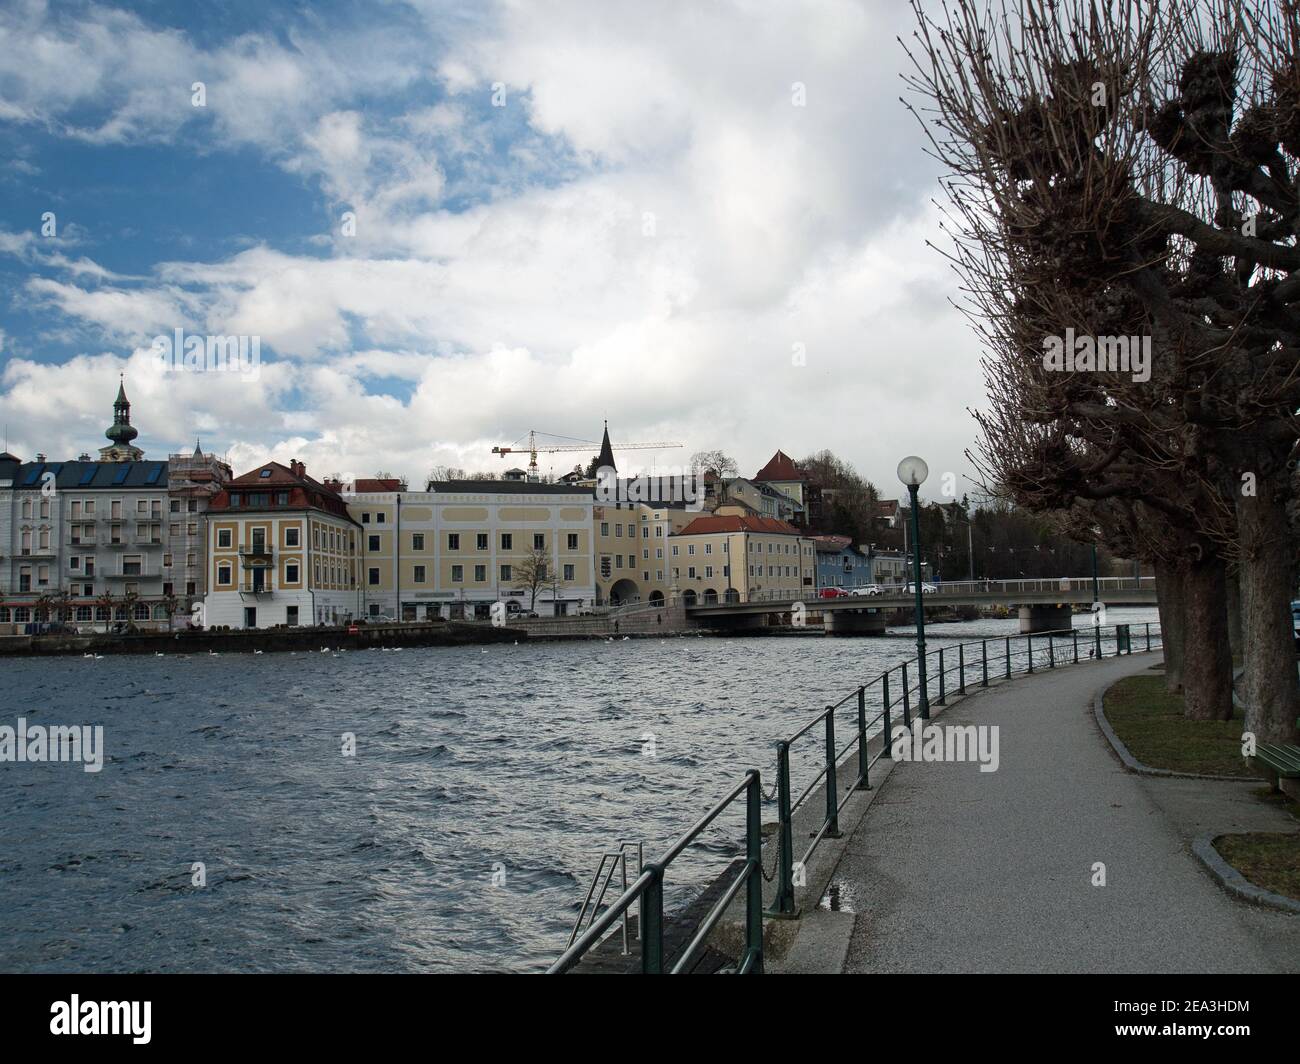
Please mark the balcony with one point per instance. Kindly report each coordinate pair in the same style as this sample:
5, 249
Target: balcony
256, 555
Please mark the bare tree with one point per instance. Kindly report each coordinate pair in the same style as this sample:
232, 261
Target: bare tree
1128, 172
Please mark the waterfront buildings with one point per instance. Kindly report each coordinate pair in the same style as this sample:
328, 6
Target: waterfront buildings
94, 543
456, 548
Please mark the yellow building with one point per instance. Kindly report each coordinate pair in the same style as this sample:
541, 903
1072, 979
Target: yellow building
740, 559
632, 549
454, 549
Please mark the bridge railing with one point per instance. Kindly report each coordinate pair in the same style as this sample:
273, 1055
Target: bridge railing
895, 695
1074, 586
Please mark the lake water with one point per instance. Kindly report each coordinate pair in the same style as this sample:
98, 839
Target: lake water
462, 834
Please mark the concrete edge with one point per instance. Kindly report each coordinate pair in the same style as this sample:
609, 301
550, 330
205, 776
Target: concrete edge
1232, 880
1132, 764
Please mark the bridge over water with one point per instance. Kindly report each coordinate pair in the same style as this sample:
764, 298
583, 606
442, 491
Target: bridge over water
1044, 605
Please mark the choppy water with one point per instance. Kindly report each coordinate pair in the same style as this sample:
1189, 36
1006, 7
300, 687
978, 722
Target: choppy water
523, 761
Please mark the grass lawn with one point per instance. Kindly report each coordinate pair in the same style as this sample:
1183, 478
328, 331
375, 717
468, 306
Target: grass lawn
1150, 723
1268, 860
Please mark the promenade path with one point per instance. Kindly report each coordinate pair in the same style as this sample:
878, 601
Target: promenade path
954, 870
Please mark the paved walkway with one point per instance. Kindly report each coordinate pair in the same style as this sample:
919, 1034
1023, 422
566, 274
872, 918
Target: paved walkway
954, 870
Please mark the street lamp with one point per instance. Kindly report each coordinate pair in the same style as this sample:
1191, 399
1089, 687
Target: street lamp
912, 471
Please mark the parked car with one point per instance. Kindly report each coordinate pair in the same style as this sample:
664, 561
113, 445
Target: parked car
926, 589
832, 592
869, 589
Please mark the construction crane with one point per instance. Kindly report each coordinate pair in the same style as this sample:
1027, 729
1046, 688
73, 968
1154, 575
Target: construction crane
534, 449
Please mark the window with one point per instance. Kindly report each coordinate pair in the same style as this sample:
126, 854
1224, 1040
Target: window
379, 518
291, 573
453, 541
372, 576
365, 517
481, 541
605, 566
505, 574
372, 543
618, 531
223, 538
131, 565
573, 541
167, 561
507, 541
417, 541
690, 573
223, 575
604, 528
457, 574
419, 574
618, 561
74, 562
480, 574
708, 572
282, 498
568, 572
291, 534
708, 548
539, 541
690, 549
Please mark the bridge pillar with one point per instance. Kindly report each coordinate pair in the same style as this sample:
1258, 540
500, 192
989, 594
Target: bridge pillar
853, 622
1045, 618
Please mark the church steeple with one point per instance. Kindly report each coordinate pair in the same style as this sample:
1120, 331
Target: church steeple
606, 456
121, 432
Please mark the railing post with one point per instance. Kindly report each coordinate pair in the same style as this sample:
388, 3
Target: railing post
1008, 657
1074, 633
889, 742
784, 904
1030, 638
961, 668
941, 694
863, 761
832, 784
1148, 635
907, 709
754, 885
1096, 629
652, 944
1051, 650
984, 658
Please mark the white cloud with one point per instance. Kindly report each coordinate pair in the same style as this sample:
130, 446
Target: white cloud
550, 306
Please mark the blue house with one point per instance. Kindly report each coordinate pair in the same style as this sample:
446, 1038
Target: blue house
841, 564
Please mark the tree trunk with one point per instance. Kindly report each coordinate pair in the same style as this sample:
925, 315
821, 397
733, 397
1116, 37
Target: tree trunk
1207, 661
1269, 689
1170, 596
1233, 579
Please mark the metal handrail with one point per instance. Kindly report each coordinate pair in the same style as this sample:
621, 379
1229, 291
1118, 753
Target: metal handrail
648, 887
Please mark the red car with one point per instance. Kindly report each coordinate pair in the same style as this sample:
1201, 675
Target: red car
832, 592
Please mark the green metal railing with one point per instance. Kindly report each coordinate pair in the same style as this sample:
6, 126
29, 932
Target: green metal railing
893, 691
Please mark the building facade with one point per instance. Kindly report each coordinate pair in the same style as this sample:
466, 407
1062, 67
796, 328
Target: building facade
841, 564
453, 550
283, 550
98, 543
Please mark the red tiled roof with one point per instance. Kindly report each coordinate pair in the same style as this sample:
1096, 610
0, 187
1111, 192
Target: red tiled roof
780, 467
832, 543
735, 523
371, 484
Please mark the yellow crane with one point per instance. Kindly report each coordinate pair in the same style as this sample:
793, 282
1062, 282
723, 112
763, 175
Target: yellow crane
534, 448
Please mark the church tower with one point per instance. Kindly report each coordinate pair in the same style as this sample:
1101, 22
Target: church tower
121, 432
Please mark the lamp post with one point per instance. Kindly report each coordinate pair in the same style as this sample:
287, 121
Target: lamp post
912, 471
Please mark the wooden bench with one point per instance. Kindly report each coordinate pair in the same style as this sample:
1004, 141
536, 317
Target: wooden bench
1282, 759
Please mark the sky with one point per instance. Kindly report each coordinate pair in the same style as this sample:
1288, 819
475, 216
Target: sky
446, 224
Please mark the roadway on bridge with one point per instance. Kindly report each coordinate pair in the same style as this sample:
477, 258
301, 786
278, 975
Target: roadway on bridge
954, 870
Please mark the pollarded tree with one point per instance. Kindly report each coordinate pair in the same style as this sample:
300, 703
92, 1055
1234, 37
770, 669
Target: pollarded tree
1123, 183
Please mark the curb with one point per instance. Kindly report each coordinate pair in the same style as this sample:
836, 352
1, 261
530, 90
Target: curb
1134, 765
1232, 880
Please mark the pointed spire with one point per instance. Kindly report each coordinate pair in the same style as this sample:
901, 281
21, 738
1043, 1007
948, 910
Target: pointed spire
606, 456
